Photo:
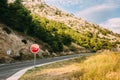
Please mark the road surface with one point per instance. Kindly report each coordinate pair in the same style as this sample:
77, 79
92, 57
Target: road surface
6, 70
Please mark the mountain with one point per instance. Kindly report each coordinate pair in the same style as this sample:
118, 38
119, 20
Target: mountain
39, 7
55, 30
53, 13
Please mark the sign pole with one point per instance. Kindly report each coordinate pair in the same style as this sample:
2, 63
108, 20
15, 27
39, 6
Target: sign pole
34, 48
34, 60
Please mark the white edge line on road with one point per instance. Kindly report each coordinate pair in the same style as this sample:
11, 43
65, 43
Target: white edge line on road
17, 75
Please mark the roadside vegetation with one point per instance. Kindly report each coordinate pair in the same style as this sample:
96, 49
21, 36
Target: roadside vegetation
103, 66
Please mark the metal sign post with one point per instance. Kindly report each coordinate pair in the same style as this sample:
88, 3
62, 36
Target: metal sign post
34, 60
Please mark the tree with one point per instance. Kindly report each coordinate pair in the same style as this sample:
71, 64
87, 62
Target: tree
3, 10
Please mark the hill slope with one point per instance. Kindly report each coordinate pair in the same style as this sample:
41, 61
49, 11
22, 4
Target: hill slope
55, 26
78, 24
40, 8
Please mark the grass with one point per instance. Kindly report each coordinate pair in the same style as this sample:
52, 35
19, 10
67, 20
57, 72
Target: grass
104, 66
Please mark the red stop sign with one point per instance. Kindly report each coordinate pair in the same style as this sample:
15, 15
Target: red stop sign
35, 48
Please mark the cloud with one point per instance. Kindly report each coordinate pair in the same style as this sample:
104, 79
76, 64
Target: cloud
70, 6
117, 2
65, 2
97, 12
97, 8
112, 24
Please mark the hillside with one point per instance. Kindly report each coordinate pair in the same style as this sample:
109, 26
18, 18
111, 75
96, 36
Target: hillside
83, 27
52, 13
78, 24
39, 7
58, 30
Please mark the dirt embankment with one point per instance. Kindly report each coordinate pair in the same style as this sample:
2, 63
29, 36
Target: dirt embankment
18, 44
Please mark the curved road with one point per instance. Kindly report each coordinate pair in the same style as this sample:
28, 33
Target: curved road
6, 70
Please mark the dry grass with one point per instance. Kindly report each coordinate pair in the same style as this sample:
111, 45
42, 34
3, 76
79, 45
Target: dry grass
101, 67
104, 66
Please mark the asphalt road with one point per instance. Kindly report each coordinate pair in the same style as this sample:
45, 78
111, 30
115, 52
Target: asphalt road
6, 70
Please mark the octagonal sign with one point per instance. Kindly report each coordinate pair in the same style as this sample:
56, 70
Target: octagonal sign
34, 48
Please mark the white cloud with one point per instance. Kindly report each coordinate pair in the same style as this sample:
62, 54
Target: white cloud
97, 8
97, 12
117, 2
65, 2
65, 5
112, 24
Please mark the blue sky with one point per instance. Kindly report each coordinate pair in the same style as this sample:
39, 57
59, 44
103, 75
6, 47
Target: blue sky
103, 12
